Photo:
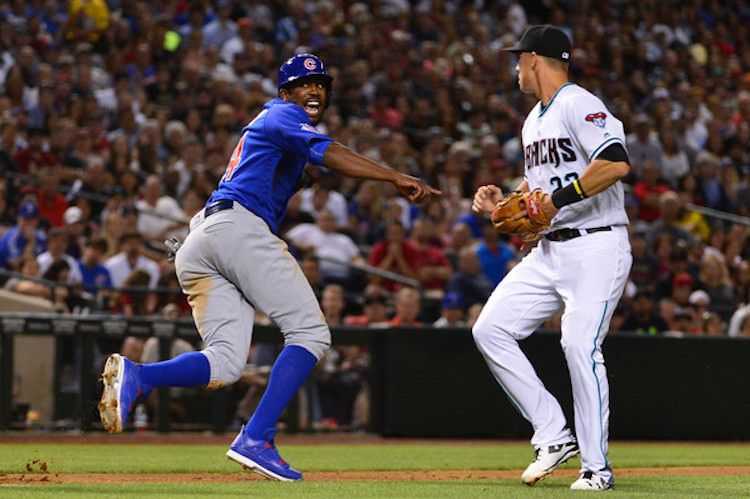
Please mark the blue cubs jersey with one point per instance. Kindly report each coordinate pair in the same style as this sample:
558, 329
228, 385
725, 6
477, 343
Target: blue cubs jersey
267, 163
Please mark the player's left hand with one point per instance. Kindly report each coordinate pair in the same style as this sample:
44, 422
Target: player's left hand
414, 189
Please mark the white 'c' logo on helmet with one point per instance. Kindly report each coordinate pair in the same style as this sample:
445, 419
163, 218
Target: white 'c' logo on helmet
310, 64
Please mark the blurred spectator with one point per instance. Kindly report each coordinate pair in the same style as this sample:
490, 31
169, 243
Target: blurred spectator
741, 323
643, 146
132, 348
643, 318
323, 196
52, 203
712, 324
129, 259
710, 188
432, 267
339, 383
310, 265
31, 159
494, 254
678, 263
87, 21
113, 228
7, 220
469, 280
333, 304
94, 184
670, 207
365, 209
374, 309
644, 271
692, 221
459, 238
74, 224
94, 274
452, 309
682, 322
323, 240
133, 303
648, 192
157, 213
407, 307
682, 287
31, 287
57, 241
715, 278
394, 254
295, 215
745, 327
674, 161
22, 240
222, 28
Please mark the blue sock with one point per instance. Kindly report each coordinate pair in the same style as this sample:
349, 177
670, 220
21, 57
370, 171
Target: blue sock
188, 369
289, 372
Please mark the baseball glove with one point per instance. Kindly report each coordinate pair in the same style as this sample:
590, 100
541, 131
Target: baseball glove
521, 214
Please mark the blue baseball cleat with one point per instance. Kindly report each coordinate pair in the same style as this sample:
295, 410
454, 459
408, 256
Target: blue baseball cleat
122, 387
261, 457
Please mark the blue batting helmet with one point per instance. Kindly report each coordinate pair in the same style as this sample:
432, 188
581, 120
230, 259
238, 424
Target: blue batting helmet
300, 66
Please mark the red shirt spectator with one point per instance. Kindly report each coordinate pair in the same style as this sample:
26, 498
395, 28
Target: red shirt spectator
432, 266
33, 158
395, 254
52, 203
648, 191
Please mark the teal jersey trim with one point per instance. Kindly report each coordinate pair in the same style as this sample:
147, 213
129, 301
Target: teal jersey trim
543, 109
596, 378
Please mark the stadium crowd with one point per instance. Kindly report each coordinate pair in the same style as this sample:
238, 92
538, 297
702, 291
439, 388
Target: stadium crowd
117, 119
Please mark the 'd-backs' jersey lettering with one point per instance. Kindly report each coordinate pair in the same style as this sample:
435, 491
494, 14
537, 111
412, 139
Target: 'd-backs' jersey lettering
267, 163
560, 141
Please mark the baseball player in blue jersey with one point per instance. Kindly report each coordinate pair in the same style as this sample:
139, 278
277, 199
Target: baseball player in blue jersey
233, 262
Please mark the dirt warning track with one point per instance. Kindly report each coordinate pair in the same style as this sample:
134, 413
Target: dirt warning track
349, 476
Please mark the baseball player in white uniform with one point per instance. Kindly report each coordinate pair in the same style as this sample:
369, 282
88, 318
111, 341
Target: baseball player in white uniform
575, 153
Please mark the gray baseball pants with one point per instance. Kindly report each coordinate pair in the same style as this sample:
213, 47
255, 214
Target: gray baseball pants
230, 264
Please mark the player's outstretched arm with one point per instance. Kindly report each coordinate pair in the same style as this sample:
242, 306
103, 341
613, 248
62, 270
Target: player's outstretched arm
343, 160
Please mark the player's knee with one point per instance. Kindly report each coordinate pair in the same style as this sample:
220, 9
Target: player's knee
226, 366
481, 331
576, 349
319, 345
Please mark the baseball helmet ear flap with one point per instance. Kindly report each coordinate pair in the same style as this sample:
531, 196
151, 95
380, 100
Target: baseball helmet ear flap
301, 66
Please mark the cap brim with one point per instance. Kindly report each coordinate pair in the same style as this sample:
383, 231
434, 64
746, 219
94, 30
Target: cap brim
515, 49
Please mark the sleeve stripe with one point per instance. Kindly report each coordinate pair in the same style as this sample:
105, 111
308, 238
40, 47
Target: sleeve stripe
604, 145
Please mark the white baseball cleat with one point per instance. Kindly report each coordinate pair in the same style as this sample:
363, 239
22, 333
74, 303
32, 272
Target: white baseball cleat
591, 481
547, 459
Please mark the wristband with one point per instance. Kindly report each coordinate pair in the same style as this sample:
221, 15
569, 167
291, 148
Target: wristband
571, 193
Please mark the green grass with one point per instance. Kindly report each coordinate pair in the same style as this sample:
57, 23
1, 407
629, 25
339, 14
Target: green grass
146, 458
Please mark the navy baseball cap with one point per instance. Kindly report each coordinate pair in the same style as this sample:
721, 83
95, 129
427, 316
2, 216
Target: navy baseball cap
453, 299
28, 210
546, 40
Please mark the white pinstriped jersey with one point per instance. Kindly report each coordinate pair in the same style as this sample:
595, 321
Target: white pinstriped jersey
560, 140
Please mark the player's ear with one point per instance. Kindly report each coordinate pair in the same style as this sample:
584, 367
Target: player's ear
284, 94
